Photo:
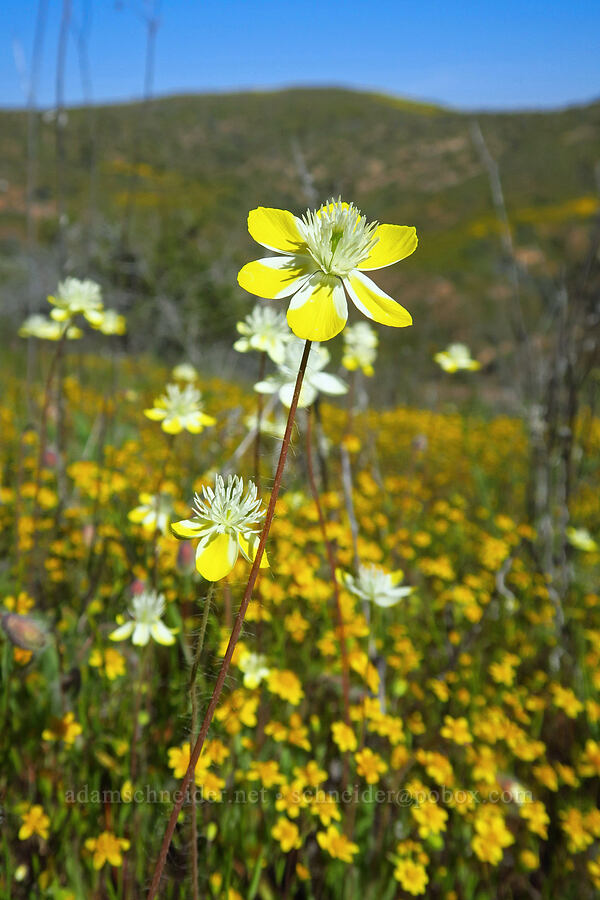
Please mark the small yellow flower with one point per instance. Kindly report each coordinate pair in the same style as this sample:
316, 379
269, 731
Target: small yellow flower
35, 821
456, 730
336, 844
412, 876
65, 729
286, 685
370, 765
287, 834
430, 818
106, 848
344, 736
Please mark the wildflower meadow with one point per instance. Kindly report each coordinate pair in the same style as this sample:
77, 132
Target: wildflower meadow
299, 490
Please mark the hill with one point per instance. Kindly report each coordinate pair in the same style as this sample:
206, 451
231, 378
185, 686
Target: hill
155, 197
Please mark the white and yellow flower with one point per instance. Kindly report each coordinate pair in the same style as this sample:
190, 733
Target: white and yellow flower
265, 330
180, 409
146, 613
225, 524
47, 330
315, 381
581, 539
456, 358
376, 586
324, 256
75, 297
111, 322
253, 665
185, 372
153, 513
360, 348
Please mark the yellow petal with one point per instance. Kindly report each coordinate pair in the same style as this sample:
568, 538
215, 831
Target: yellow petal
217, 558
155, 414
395, 242
275, 229
186, 528
318, 311
374, 302
274, 276
137, 515
172, 425
249, 548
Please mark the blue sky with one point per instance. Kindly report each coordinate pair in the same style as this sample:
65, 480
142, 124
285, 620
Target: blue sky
486, 54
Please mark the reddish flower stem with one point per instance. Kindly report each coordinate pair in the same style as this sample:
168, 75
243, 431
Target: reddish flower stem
235, 633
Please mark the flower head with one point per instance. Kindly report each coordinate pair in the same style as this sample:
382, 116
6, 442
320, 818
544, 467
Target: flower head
180, 409
455, 358
152, 513
360, 348
315, 380
35, 821
377, 586
75, 297
185, 372
48, 330
264, 329
323, 258
581, 539
225, 522
111, 322
254, 669
146, 614
107, 848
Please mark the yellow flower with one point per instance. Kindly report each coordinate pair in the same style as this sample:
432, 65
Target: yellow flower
180, 409
456, 730
107, 848
110, 660
491, 836
286, 685
325, 807
360, 348
224, 521
287, 834
65, 729
589, 762
370, 765
456, 357
412, 876
324, 257
266, 772
534, 813
336, 844
291, 799
430, 818
575, 827
35, 821
344, 736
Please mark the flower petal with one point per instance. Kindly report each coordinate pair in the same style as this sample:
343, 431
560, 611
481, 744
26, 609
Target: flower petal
157, 415
275, 276
186, 528
122, 632
249, 546
395, 242
308, 394
328, 384
318, 311
374, 302
141, 634
172, 425
162, 634
216, 560
275, 229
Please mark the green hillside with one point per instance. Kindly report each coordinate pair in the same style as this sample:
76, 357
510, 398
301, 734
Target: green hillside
157, 196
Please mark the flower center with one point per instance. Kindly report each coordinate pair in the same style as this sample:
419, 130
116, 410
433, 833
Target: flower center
338, 237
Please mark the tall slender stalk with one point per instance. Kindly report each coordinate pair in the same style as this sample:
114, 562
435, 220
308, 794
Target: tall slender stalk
194, 726
237, 627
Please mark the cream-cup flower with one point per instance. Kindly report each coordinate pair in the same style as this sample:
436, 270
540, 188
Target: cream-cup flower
456, 358
75, 297
264, 330
376, 586
180, 409
147, 610
360, 348
323, 258
225, 523
315, 381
